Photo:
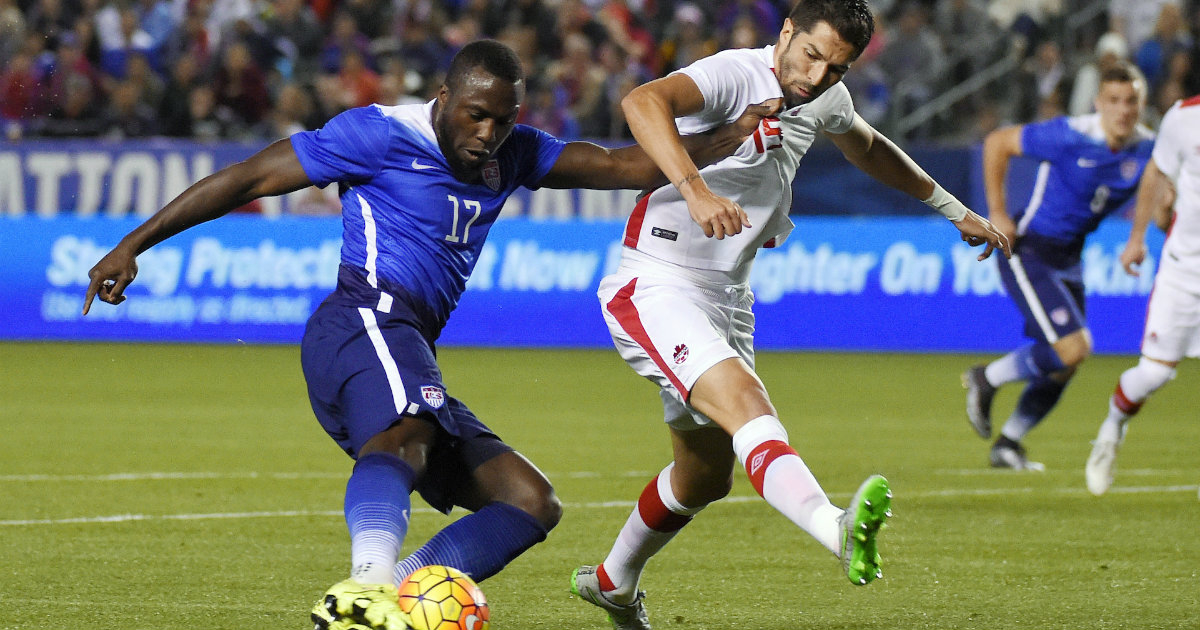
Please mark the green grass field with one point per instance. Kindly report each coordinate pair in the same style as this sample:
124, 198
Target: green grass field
163, 487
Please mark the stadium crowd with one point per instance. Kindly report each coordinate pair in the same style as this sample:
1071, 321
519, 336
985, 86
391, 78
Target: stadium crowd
263, 69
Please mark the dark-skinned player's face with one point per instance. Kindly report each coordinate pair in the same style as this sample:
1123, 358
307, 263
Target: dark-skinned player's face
807, 64
474, 117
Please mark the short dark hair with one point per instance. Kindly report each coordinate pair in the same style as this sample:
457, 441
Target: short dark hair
851, 19
495, 58
1119, 72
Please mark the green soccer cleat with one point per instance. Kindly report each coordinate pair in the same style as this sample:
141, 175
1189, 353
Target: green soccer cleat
860, 525
586, 585
351, 605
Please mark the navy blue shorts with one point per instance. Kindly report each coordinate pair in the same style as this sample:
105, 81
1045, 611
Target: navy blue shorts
1050, 295
365, 369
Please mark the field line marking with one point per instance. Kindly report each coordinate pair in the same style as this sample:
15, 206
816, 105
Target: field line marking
978, 492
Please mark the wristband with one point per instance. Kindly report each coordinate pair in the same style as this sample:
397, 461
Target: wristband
945, 203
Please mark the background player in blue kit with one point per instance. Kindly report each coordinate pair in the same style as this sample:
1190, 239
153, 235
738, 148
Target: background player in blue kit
1090, 167
420, 187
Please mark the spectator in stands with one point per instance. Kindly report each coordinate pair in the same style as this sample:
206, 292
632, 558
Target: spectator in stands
151, 87
398, 85
1040, 79
12, 29
372, 18
1135, 19
359, 84
621, 74
294, 29
174, 111
574, 18
526, 20
1156, 51
77, 113
127, 38
687, 38
209, 120
968, 36
241, 86
764, 14
157, 18
51, 19
422, 50
1111, 50
546, 108
912, 60
189, 39
127, 116
583, 81
1027, 20
70, 61
20, 97
343, 36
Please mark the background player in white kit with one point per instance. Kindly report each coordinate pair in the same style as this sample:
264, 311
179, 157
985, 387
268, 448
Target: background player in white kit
678, 307
1173, 317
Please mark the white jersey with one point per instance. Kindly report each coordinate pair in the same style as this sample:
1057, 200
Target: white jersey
1177, 154
758, 176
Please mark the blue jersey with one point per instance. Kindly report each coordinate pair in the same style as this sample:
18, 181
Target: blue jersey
1080, 180
408, 224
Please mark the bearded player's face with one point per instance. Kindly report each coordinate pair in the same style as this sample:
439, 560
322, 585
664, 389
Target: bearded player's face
808, 63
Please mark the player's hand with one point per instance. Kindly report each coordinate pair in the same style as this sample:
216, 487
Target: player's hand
977, 230
716, 215
753, 115
1132, 256
1004, 225
109, 278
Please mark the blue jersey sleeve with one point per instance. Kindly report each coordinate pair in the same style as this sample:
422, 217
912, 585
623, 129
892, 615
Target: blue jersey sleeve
1049, 140
537, 153
351, 147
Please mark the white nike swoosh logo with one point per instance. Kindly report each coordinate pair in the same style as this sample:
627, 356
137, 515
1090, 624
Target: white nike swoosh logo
422, 167
1086, 163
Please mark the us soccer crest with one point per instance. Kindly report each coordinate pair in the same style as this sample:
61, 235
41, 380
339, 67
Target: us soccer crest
433, 395
1129, 169
491, 174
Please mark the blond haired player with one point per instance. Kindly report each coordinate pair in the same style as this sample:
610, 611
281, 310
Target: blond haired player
1173, 318
678, 307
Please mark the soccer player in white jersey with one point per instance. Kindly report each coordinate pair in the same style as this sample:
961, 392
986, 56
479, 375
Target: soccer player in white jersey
678, 307
1172, 329
421, 185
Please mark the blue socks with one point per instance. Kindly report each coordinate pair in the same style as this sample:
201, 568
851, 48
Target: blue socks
478, 544
377, 512
1038, 398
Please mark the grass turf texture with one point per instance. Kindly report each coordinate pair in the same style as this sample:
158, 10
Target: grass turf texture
227, 495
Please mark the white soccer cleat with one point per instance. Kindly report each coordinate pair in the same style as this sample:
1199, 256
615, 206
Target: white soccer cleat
1101, 465
586, 584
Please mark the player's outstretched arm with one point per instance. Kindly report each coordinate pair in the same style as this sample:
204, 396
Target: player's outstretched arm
999, 148
273, 171
880, 158
1155, 196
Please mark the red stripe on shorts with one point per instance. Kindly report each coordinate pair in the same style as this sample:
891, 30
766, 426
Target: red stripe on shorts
633, 227
760, 459
622, 308
655, 513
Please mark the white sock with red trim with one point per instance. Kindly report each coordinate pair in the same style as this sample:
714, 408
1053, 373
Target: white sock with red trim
782, 478
655, 520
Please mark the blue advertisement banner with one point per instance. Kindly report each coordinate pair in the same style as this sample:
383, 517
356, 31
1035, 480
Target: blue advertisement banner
862, 284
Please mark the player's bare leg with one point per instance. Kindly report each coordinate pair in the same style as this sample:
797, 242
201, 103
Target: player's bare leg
734, 397
513, 507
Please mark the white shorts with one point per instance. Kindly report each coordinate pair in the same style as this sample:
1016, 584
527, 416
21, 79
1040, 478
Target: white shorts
1172, 324
671, 330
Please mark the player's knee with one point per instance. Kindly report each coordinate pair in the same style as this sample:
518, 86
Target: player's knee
1074, 353
1153, 374
545, 507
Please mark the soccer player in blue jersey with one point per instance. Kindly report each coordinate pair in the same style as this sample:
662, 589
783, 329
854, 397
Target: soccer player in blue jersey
1090, 166
420, 186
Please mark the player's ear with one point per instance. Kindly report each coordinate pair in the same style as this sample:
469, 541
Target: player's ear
785, 33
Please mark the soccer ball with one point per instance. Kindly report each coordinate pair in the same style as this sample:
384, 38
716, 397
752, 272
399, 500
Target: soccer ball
443, 598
